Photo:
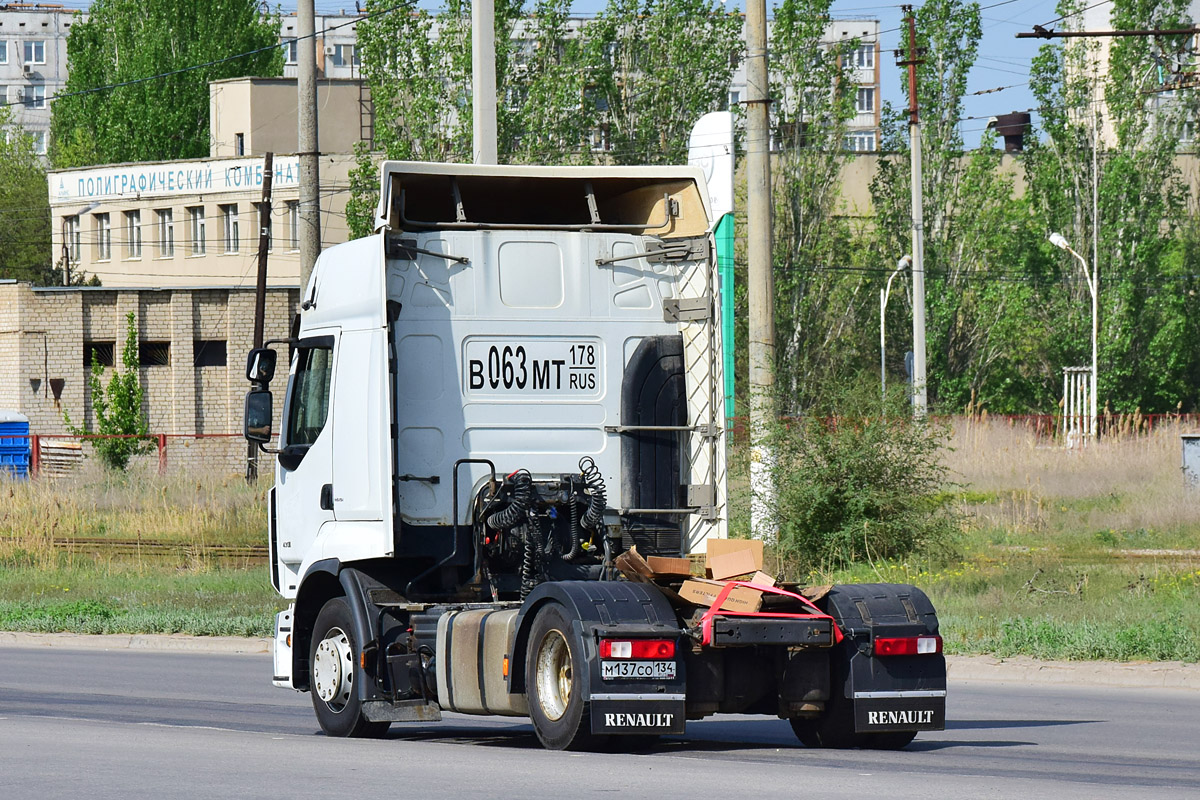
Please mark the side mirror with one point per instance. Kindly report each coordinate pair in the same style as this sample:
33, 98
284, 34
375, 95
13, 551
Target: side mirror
256, 421
260, 365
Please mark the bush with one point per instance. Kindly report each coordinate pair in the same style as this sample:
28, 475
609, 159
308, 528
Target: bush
118, 408
855, 486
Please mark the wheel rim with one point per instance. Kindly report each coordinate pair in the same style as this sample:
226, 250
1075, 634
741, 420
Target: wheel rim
552, 673
333, 669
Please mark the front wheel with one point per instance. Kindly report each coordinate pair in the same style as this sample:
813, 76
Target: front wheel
333, 672
554, 681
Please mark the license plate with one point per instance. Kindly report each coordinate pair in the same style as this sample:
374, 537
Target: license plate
533, 367
638, 670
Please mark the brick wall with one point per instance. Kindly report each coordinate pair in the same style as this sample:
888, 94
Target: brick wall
42, 336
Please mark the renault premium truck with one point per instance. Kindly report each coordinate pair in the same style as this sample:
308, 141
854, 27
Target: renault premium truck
512, 383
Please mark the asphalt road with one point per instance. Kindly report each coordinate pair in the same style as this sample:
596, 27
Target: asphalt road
122, 724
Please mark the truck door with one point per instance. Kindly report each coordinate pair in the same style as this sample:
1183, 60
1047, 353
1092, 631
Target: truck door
304, 480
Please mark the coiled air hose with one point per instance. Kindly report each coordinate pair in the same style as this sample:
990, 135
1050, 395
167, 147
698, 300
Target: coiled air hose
519, 500
597, 501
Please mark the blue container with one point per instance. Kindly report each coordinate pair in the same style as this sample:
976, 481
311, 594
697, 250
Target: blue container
15, 444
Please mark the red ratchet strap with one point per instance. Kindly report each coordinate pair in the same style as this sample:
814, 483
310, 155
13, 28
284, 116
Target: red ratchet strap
706, 622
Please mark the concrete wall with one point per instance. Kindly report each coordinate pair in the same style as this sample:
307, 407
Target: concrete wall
262, 112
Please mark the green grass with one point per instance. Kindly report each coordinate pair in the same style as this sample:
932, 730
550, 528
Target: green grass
1091, 554
83, 597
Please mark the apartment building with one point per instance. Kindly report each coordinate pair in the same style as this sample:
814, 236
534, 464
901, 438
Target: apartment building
863, 129
33, 63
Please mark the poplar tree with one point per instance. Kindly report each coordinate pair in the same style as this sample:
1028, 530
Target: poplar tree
138, 74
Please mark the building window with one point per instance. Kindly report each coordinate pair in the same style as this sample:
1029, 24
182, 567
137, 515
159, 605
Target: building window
154, 354
39, 142
98, 353
293, 211
864, 102
196, 221
35, 52
103, 237
344, 55
239, 144
229, 219
133, 234
208, 353
861, 141
71, 234
258, 215
864, 56
166, 233
34, 95
289, 51
3, 51
734, 99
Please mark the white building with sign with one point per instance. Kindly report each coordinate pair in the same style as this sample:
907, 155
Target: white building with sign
187, 223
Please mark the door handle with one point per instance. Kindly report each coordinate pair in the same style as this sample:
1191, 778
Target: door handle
327, 497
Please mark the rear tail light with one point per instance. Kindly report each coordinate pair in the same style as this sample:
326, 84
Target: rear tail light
908, 646
637, 648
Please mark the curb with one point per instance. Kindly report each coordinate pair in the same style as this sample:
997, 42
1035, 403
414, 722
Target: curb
1126, 675
173, 642
1132, 675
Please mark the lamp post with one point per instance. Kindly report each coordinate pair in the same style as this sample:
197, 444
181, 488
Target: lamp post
903, 263
1059, 241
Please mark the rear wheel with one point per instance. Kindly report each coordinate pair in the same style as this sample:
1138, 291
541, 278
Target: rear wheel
333, 672
554, 679
827, 731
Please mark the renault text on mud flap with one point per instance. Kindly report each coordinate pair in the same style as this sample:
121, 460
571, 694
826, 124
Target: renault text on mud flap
899, 717
619, 720
533, 367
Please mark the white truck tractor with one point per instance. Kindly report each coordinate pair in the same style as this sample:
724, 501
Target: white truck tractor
513, 382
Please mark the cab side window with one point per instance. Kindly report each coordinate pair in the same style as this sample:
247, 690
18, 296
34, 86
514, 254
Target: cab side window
310, 396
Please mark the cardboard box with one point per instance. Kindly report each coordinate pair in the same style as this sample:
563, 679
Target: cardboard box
763, 579
729, 557
704, 593
665, 567
633, 566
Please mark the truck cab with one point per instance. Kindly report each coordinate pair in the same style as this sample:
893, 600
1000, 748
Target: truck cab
514, 381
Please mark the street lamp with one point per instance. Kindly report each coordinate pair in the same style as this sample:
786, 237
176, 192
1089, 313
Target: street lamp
1059, 241
903, 263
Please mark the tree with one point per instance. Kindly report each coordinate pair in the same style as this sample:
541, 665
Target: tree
639, 74
816, 307
24, 209
117, 408
665, 63
134, 42
1149, 354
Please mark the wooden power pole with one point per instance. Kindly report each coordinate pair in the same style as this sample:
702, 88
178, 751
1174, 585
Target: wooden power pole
760, 281
920, 398
260, 294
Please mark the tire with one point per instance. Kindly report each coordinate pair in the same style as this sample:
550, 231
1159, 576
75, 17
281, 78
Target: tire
887, 741
829, 731
555, 671
333, 671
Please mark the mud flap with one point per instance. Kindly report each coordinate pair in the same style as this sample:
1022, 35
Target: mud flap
887, 693
631, 714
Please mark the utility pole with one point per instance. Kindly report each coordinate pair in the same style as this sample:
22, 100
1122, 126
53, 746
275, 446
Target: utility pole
483, 80
920, 398
309, 147
260, 293
760, 281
